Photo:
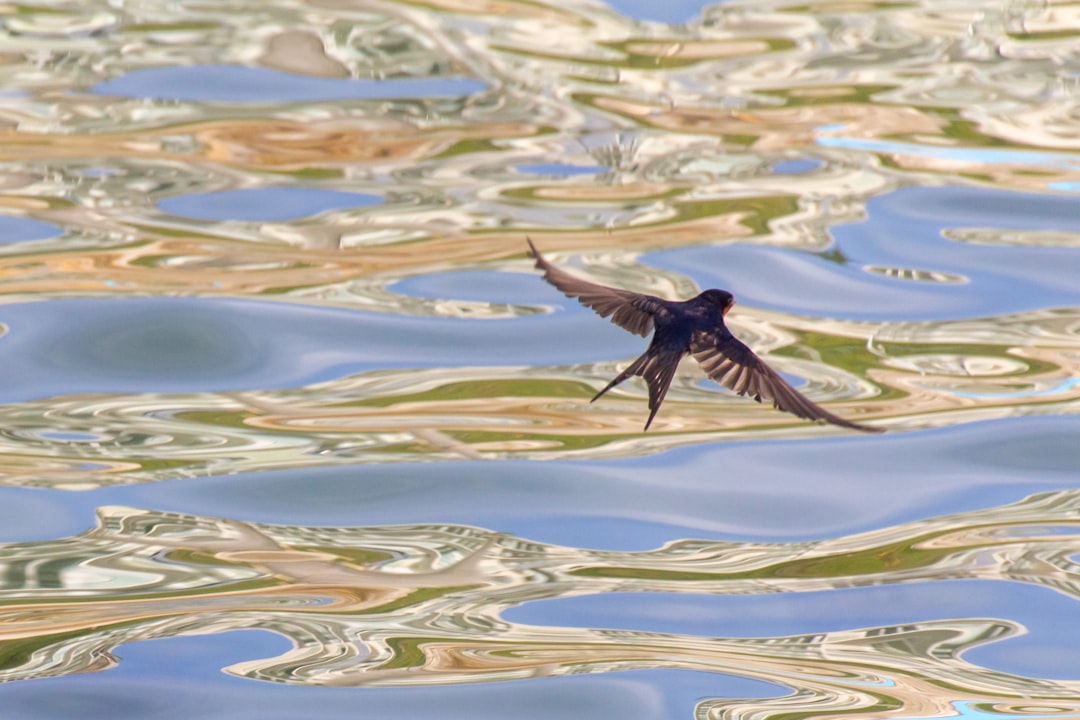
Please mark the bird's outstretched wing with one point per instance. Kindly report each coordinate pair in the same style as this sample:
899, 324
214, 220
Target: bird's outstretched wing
629, 310
725, 359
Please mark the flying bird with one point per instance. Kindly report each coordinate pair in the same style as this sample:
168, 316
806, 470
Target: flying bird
689, 327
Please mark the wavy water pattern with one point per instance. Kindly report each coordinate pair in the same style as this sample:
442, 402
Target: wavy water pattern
283, 396
413, 604
939, 373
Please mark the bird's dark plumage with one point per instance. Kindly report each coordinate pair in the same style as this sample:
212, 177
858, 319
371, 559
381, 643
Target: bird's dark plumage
695, 327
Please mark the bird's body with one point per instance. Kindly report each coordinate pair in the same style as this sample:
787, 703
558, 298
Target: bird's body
687, 327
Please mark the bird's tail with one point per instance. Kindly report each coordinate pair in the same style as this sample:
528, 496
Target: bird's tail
658, 369
634, 369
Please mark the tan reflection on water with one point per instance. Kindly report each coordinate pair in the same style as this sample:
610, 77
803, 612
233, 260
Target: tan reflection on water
421, 604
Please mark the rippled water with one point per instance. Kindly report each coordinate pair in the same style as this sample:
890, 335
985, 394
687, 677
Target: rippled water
266, 304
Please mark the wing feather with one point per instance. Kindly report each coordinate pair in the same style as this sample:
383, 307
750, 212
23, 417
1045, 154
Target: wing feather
658, 373
728, 361
629, 310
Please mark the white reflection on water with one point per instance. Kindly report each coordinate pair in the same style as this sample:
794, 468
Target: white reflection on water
432, 604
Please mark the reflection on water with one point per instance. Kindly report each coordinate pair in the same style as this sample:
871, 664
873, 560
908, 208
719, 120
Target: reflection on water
265, 297
434, 604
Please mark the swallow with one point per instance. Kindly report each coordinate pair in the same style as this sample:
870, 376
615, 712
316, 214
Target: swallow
680, 328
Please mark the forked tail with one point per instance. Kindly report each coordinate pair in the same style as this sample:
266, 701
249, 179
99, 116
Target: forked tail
658, 368
634, 369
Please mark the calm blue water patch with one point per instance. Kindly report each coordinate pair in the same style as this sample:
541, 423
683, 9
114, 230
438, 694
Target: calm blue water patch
669, 11
479, 286
239, 84
264, 204
1065, 186
197, 658
67, 436
1001, 278
796, 166
181, 677
99, 172
800, 489
33, 514
559, 169
78, 345
20, 229
981, 156
1051, 650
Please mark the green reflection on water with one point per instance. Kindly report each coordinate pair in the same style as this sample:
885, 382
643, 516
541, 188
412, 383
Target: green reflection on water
480, 389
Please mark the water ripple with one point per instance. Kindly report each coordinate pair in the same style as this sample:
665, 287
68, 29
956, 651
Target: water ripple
492, 412
888, 189
340, 595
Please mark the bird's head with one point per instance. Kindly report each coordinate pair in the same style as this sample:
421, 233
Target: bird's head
722, 300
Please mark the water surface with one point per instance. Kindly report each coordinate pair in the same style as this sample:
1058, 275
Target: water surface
289, 419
